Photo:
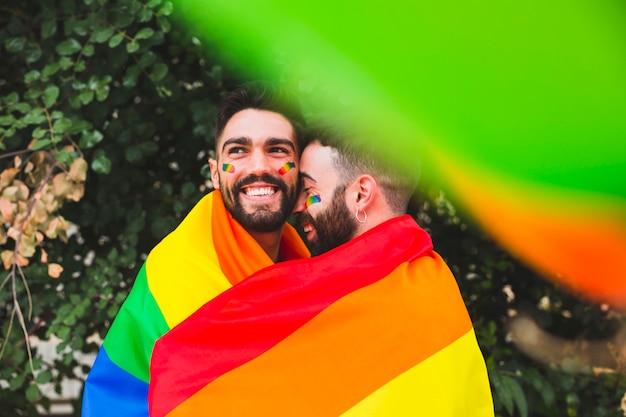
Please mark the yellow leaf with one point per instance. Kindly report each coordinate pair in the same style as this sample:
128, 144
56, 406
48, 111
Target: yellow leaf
44, 256
7, 176
54, 270
17, 161
76, 193
7, 258
61, 184
78, 170
6, 209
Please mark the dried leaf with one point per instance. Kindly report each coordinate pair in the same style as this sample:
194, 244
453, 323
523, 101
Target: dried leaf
78, 170
7, 258
7, 176
61, 184
17, 161
54, 270
76, 193
6, 210
44, 256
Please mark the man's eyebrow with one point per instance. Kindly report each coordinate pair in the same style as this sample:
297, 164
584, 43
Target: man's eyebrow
304, 175
280, 141
236, 141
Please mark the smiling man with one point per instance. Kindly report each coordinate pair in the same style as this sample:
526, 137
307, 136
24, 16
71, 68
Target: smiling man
230, 234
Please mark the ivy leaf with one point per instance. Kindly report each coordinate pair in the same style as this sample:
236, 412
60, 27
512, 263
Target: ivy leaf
116, 40
90, 139
14, 45
68, 47
103, 35
40, 144
144, 33
159, 71
50, 95
101, 164
48, 28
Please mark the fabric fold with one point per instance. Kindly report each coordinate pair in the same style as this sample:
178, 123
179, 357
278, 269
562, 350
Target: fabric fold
319, 337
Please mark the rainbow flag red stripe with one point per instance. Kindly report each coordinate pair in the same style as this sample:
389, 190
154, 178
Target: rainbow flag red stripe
206, 254
383, 332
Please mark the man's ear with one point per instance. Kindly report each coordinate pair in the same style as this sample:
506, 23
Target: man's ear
215, 178
365, 189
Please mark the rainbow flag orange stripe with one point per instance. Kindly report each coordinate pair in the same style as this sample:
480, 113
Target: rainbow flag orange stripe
206, 254
383, 330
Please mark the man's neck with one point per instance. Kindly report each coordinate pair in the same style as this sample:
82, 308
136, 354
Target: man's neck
270, 242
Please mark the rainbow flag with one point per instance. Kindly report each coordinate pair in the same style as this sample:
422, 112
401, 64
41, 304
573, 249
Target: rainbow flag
207, 253
382, 332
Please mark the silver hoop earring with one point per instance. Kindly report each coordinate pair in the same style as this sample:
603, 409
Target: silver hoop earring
356, 214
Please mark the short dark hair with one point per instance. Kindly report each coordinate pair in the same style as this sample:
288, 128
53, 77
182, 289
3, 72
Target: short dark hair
356, 155
263, 95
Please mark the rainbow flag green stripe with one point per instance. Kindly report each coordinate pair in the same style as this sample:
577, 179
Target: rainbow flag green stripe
184, 271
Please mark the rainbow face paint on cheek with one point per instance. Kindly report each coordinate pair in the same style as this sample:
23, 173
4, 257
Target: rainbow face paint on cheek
312, 200
286, 168
230, 168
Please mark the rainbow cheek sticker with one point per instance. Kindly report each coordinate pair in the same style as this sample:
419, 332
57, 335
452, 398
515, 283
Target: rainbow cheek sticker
230, 168
312, 200
286, 168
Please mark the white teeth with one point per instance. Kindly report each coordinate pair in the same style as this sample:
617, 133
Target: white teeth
307, 228
255, 192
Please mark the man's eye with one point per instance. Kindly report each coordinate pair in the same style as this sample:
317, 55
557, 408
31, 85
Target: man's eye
277, 149
235, 150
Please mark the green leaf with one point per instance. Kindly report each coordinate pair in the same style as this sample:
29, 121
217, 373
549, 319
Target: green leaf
65, 63
34, 118
51, 69
147, 58
144, 33
48, 28
11, 99
22, 107
90, 139
32, 393
68, 47
164, 24
44, 377
16, 382
518, 395
103, 35
86, 96
132, 47
159, 71
7, 120
31, 76
101, 164
153, 3
50, 95
166, 9
61, 125
32, 53
102, 93
89, 50
14, 45
39, 132
40, 144
116, 40
130, 78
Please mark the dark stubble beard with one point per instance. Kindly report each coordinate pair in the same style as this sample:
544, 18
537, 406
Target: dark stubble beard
263, 219
334, 227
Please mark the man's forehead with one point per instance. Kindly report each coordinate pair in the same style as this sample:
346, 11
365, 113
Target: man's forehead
254, 124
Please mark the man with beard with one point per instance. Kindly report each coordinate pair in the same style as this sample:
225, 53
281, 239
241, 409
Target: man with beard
231, 233
373, 326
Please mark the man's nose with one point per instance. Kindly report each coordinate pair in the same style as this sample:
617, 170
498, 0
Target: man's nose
259, 163
300, 204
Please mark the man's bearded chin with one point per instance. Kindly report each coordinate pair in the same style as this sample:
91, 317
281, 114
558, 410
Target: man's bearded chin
263, 219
